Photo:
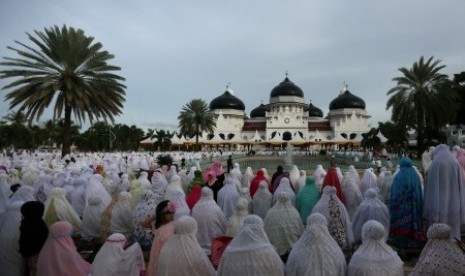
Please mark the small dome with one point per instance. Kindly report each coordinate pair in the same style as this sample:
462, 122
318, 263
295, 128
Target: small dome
347, 100
259, 111
314, 111
287, 88
227, 101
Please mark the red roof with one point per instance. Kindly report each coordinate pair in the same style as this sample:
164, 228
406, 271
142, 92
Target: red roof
321, 126
252, 126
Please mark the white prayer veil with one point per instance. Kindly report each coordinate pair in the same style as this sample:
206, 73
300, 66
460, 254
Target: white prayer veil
92, 218
352, 194
372, 208
250, 252
175, 185
316, 252
262, 200
284, 187
441, 254
182, 255
300, 182
294, 175
333, 209
24, 193
121, 215
235, 222
354, 174
283, 224
228, 196
385, 187
95, 188
78, 195
374, 256
179, 200
57, 205
10, 221
247, 177
210, 219
319, 175
113, 260
368, 181
144, 210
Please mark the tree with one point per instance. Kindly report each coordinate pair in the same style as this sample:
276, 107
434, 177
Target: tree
16, 117
396, 134
422, 98
196, 117
459, 87
162, 139
371, 140
66, 67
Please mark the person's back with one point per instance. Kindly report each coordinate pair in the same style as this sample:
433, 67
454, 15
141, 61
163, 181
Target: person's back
307, 198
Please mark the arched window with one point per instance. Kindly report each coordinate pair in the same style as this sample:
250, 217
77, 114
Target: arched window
230, 136
287, 136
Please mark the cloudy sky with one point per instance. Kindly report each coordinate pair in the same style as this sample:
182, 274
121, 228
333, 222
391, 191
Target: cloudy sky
173, 51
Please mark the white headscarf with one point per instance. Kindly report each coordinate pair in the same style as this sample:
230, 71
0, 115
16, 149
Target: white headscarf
284, 187
121, 215
333, 209
368, 181
210, 219
283, 224
352, 194
352, 172
250, 252
78, 195
24, 193
10, 221
113, 260
316, 252
374, 256
95, 188
319, 175
92, 218
4, 191
384, 186
64, 210
144, 210
235, 222
372, 208
247, 177
441, 255
144, 181
262, 200
228, 196
294, 175
182, 255
300, 182
179, 200
175, 185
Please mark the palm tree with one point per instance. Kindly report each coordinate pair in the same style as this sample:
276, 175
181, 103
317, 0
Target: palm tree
68, 68
16, 117
196, 117
422, 98
162, 139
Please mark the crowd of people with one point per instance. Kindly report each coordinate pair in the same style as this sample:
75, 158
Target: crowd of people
139, 218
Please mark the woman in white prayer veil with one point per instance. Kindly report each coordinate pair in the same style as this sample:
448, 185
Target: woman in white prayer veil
78, 195
262, 200
384, 186
171, 172
352, 194
283, 225
10, 221
251, 253
95, 188
374, 256
4, 191
339, 225
144, 210
184, 183
182, 255
444, 193
294, 175
125, 184
190, 174
247, 177
316, 252
301, 182
42, 188
284, 186
442, 255
57, 208
228, 196
354, 174
210, 219
121, 215
144, 181
175, 185
113, 259
92, 218
235, 222
319, 175
372, 208
159, 180
236, 171
24, 193
340, 175
265, 174
179, 200
368, 181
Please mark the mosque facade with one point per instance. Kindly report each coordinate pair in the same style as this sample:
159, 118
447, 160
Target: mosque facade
288, 118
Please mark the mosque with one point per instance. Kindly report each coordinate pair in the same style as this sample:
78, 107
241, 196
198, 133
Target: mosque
288, 118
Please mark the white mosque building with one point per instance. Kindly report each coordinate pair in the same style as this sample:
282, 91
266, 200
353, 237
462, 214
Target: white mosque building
288, 118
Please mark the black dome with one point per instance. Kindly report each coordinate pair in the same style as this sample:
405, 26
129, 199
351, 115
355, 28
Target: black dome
314, 111
347, 100
287, 88
227, 101
259, 111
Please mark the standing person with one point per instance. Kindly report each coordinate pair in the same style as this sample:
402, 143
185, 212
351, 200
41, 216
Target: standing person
217, 169
59, 255
332, 179
229, 163
256, 181
274, 178
405, 208
307, 198
10, 221
444, 194
163, 229
33, 234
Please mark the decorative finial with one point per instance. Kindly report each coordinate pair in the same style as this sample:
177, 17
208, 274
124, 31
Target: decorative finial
228, 85
346, 86
261, 101
287, 73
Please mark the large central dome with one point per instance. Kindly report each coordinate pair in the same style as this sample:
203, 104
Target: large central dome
287, 88
347, 100
227, 101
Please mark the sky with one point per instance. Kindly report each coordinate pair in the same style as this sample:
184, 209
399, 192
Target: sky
173, 51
